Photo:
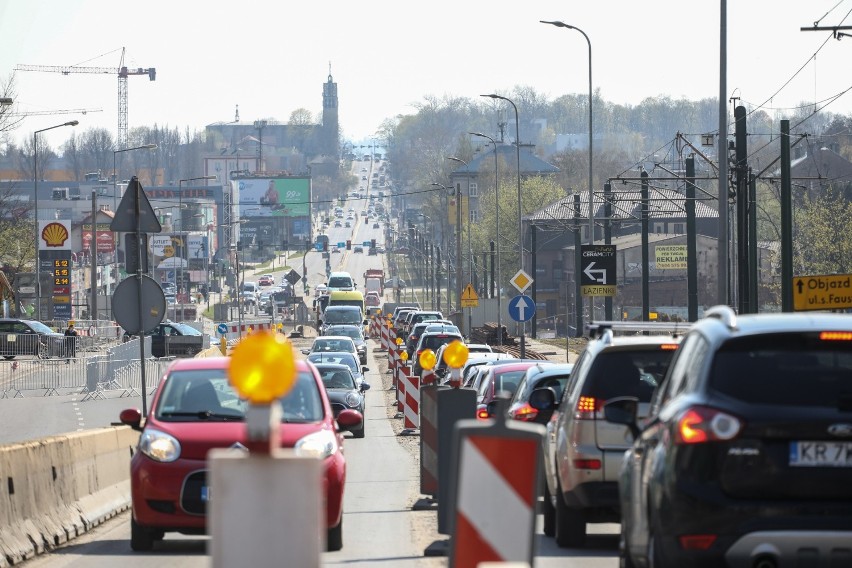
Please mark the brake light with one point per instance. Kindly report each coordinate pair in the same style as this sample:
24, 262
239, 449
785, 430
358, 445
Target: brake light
696, 541
525, 413
587, 464
586, 407
668, 346
700, 424
835, 336
482, 413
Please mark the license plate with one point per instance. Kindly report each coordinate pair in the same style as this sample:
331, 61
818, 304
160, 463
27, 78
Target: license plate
820, 454
205, 494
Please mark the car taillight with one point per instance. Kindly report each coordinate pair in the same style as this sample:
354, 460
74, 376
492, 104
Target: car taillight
669, 346
586, 407
482, 413
700, 424
696, 541
525, 413
835, 336
587, 464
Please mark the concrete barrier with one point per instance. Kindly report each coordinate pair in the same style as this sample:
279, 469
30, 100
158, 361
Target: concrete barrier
56, 488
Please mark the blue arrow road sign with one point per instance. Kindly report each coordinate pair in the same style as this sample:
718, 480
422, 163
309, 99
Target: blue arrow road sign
222, 328
521, 308
341, 245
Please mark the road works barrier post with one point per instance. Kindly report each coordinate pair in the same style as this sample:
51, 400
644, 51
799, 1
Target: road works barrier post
428, 427
454, 404
253, 495
492, 502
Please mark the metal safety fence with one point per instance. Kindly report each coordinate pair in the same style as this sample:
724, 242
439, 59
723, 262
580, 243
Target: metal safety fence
120, 368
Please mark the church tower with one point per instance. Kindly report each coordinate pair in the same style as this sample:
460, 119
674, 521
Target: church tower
330, 121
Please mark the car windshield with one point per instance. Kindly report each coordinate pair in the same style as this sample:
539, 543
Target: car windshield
339, 282
794, 369
342, 316
347, 359
206, 395
186, 329
40, 327
324, 344
506, 381
334, 378
352, 332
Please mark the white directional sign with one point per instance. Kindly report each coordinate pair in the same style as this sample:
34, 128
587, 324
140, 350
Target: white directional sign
598, 270
521, 308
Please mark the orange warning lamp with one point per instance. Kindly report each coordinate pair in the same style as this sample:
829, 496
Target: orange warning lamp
280, 326
455, 355
404, 355
428, 360
262, 367
399, 341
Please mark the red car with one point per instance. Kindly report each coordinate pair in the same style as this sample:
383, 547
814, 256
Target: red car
505, 378
194, 410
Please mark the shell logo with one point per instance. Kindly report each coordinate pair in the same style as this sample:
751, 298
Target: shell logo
54, 234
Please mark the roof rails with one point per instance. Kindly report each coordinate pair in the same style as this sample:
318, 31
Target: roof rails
598, 328
723, 313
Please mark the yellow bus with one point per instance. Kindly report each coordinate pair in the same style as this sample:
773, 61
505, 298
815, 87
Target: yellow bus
353, 298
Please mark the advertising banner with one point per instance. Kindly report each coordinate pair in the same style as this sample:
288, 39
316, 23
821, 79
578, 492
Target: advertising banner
275, 197
105, 237
669, 257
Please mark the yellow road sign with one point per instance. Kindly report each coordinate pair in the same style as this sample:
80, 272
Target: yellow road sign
521, 281
469, 298
823, 292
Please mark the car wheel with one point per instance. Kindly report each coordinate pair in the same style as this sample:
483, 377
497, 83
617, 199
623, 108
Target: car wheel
549, 513
141, 539
361, 432
334, 539
570, 524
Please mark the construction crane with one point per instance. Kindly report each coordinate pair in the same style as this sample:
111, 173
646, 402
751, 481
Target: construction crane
122, 72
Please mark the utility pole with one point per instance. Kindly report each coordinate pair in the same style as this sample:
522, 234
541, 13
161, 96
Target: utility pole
743, 300
691, 247
646, 300
786, 221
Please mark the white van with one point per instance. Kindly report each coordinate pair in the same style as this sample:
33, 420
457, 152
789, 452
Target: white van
341, 281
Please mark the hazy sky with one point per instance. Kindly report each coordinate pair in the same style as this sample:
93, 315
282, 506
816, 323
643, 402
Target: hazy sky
272, 56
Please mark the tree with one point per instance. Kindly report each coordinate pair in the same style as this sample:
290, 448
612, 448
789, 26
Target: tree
301, 117
822, 240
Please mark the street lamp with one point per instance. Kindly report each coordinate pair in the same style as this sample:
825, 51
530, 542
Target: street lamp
115, 206
456, 192
591, 192
469, 247
520, 220
182, 240
497, 239
35, 211
236, 278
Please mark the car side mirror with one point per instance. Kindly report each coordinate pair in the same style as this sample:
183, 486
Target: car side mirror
131, 417
306, 351
365, 387
623, 410
364, 369
543, 399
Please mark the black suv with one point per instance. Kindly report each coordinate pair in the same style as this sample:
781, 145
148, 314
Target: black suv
172, 339
30, 337
746, 456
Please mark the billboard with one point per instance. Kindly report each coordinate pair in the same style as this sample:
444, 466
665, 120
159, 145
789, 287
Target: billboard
105, 237
669, 257
274, 197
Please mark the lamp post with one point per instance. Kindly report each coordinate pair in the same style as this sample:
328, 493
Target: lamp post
115, 205
456, 192
497, 238
35, 211
236, 249
182, 240
591, 193
520, 219
469, 247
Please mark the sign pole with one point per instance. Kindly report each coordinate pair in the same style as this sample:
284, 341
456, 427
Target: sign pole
138, 253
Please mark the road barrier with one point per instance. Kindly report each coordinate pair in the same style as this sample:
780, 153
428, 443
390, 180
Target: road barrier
494, 490
59, 487
429, 439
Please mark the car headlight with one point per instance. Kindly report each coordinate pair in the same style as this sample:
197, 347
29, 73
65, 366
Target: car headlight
352, 400
159, 446
320, 444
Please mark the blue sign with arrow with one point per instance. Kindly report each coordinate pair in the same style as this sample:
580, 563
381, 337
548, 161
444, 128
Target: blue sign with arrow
222, 328
521, 308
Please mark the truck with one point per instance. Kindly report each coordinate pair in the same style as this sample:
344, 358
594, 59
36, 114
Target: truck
374, 280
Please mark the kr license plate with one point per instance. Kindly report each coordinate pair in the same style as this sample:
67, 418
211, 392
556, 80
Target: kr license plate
820, 454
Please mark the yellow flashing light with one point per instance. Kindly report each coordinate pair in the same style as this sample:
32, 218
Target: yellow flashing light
455, 355
263, 368
428, 360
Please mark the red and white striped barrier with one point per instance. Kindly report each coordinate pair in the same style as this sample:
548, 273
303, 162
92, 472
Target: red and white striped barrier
497, 479
429, 441
411, 401
401, 370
